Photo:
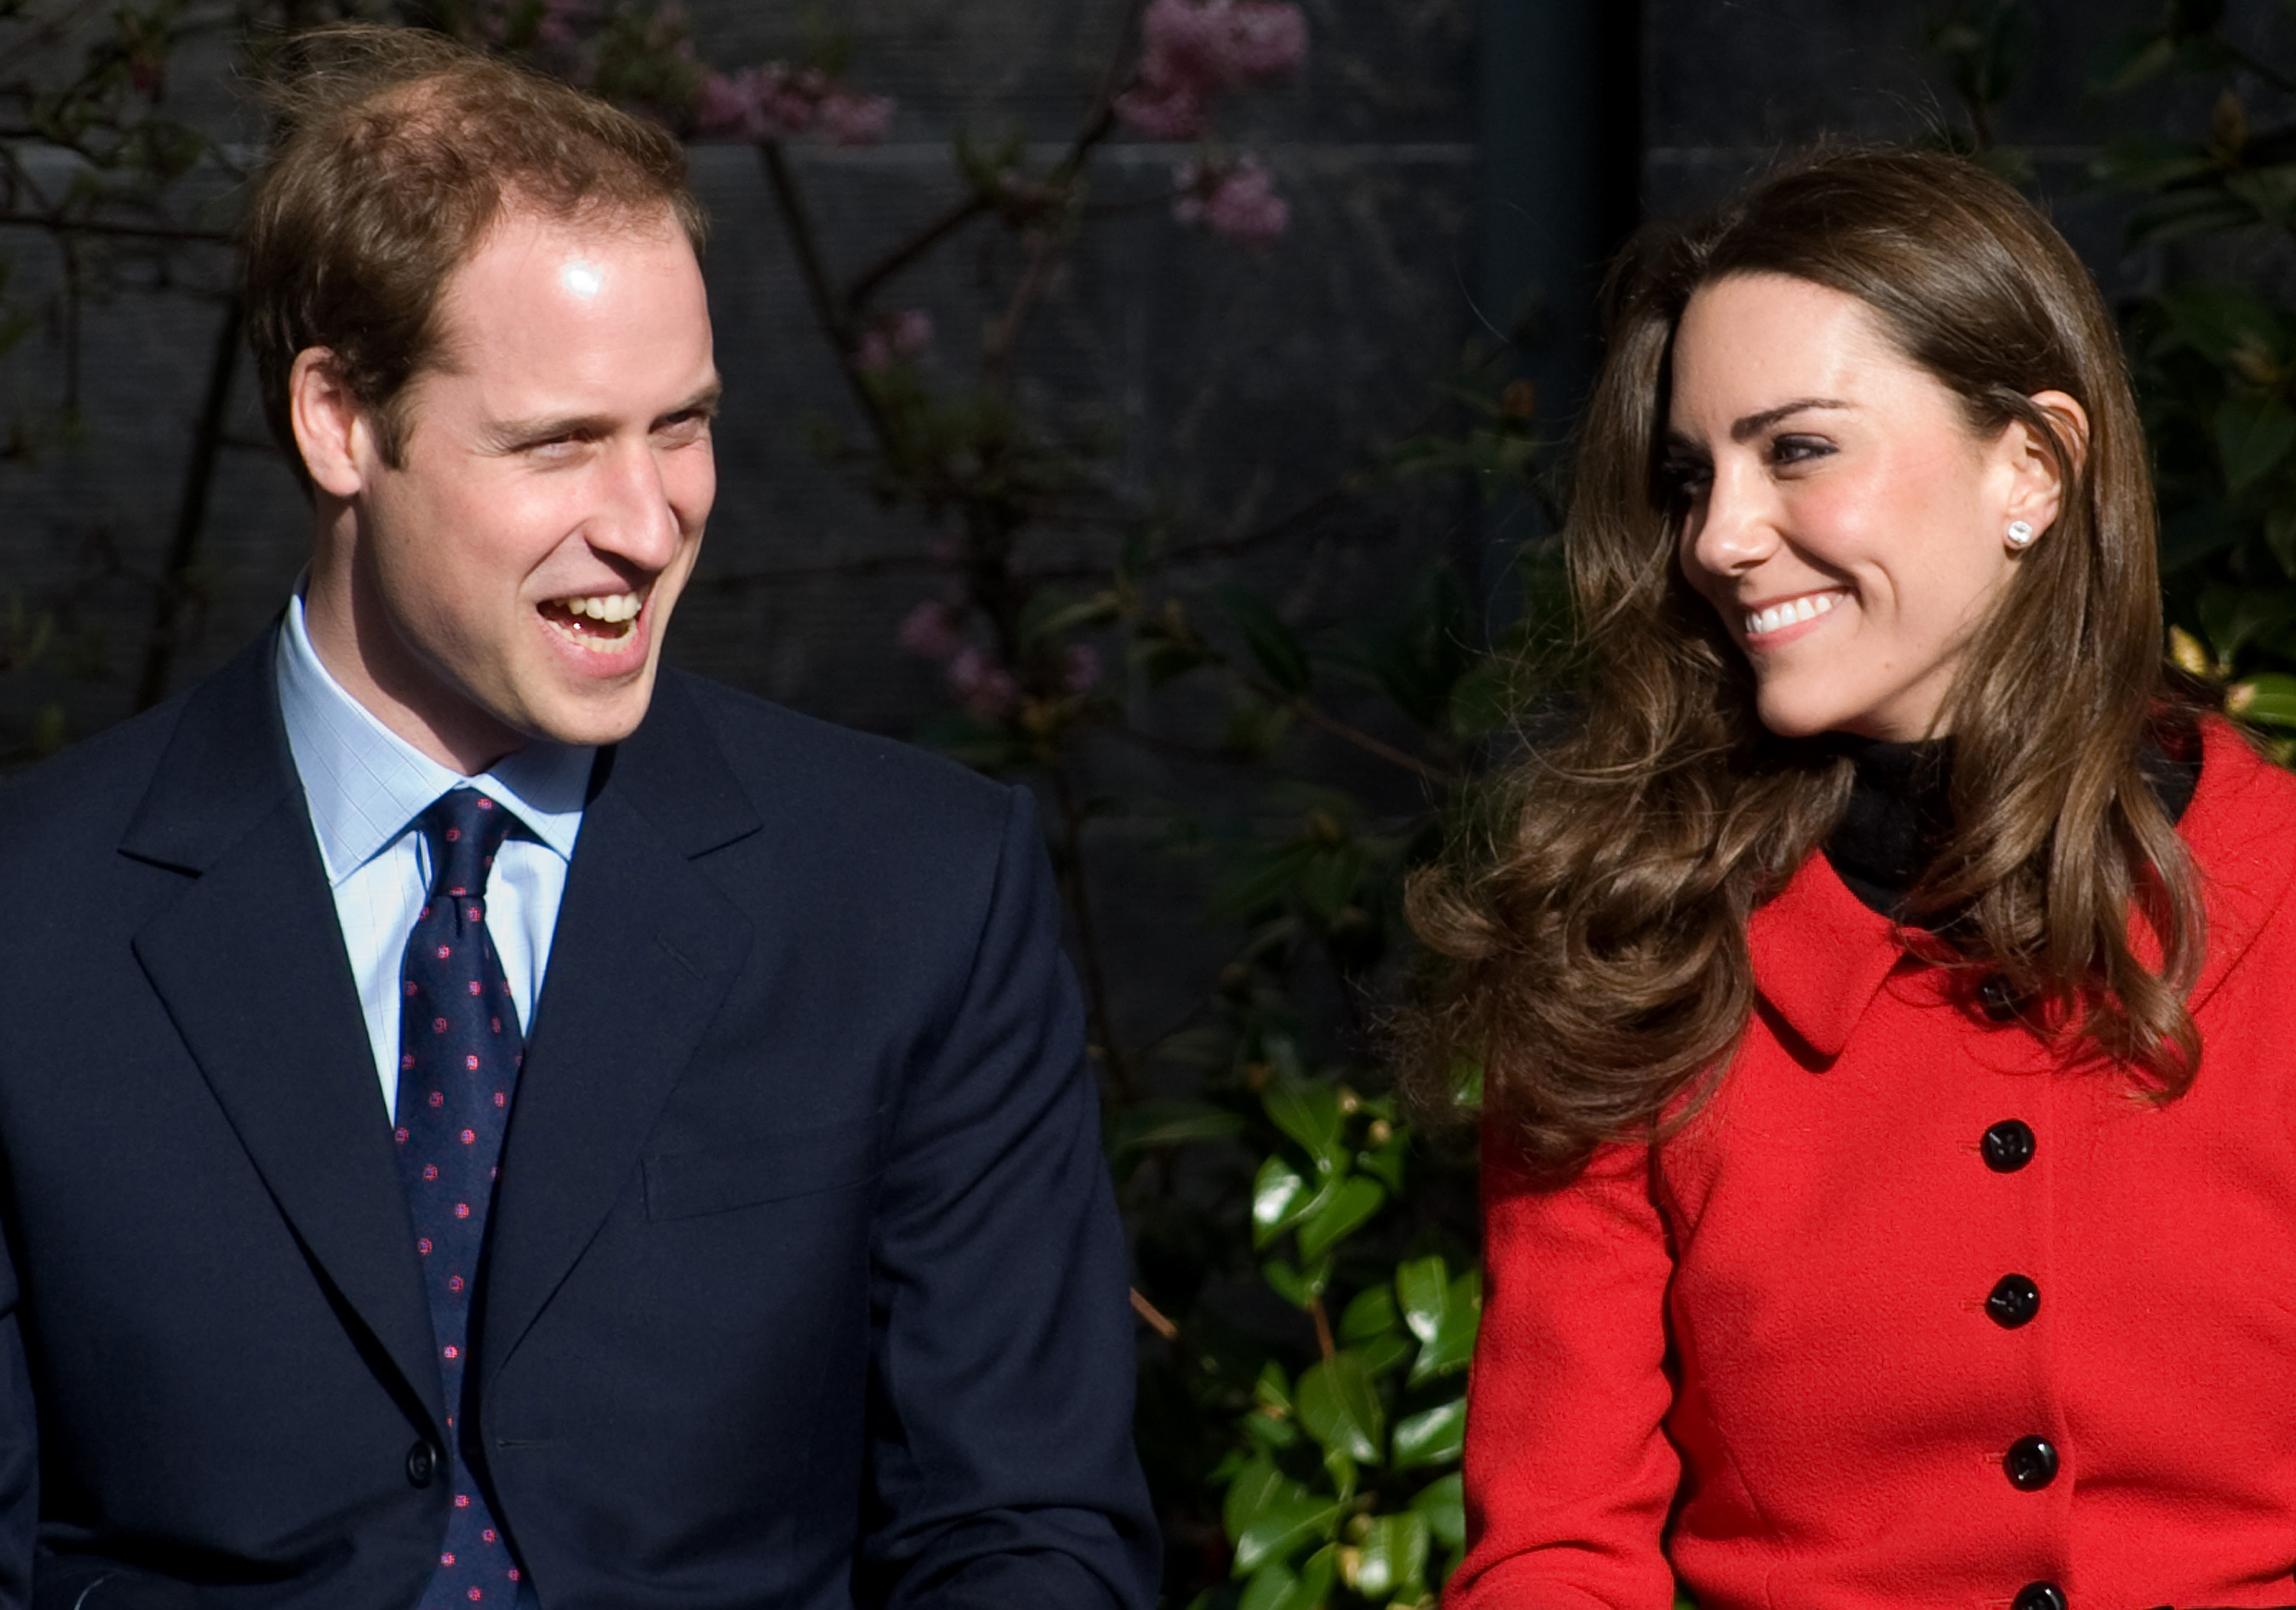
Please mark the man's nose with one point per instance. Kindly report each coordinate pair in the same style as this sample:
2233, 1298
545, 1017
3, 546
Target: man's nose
1733, 527
637, 519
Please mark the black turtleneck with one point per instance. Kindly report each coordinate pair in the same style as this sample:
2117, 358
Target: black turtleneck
1899, 815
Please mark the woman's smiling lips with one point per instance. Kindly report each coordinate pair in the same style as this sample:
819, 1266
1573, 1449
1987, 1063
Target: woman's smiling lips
1781, 621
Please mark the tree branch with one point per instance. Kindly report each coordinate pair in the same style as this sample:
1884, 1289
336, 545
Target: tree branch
191, 513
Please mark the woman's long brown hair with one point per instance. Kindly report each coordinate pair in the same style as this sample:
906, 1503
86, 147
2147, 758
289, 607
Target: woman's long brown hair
1591, 927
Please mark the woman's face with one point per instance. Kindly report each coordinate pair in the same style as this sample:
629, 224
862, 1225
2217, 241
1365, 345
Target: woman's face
1839, 513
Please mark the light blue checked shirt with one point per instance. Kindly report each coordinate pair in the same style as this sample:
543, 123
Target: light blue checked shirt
366, 785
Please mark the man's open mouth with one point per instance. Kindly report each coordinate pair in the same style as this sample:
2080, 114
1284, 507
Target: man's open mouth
600, 620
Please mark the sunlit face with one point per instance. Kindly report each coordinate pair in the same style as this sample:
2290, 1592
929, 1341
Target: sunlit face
1839, 513
512, 578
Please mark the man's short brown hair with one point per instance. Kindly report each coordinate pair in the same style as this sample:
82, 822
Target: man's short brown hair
394, 152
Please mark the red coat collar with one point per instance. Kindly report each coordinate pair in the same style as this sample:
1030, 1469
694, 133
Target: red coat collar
1822, 954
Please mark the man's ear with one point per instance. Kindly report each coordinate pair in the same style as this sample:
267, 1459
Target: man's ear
330, 426
2037, 485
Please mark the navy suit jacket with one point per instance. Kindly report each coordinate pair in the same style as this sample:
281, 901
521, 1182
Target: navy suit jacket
806, 1287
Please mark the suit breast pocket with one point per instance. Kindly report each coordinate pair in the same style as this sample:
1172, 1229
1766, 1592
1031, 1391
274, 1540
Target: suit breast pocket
764, 1168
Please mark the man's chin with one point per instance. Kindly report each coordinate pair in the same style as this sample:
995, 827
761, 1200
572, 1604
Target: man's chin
592, 718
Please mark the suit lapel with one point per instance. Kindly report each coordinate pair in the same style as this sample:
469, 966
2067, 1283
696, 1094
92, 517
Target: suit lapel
644, 950
250, 965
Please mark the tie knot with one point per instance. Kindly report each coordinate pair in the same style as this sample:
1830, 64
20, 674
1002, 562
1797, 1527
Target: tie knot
465, 828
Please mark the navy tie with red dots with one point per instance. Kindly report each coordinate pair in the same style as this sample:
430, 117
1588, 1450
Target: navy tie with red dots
459, 1053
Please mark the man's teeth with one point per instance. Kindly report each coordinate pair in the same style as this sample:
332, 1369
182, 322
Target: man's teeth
1809, 606
606, 607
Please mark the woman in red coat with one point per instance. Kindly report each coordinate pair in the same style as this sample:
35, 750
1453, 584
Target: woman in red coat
1881, 986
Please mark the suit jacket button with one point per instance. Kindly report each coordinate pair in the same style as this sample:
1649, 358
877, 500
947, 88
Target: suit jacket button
421, 1464
2039, 1596
2008, 1145
2031, 1463
2014, 1300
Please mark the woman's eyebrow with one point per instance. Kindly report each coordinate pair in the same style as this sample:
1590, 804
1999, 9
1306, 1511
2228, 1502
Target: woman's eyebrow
1754, 424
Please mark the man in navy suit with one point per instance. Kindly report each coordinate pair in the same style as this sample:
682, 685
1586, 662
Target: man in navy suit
801, 1283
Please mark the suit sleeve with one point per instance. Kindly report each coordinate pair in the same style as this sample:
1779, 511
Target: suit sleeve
1002, 1352
1569, 1473
19, 1446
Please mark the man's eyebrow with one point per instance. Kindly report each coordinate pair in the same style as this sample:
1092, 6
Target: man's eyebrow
513, 433
1754, 424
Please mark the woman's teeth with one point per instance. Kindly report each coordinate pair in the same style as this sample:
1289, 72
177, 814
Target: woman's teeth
1809, 606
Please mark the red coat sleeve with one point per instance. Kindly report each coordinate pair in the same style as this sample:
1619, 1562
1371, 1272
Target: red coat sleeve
1569, 1473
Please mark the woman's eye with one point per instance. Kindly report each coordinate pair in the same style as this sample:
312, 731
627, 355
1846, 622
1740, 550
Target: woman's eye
1684, 480
1799, 449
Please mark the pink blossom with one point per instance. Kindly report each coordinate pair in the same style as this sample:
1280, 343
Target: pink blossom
768, 102
982, 686
851, 119
558, 20
1239, 202
929, 630
1168, 110
1264, 39
903, 335
1192, 48
1079, 668
913, 332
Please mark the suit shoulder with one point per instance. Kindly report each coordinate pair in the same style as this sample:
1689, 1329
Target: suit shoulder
833, 774
84, 796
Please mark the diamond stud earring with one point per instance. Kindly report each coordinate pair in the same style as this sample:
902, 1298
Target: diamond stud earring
2020, 533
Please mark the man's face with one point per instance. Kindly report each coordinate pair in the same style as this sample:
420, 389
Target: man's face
512, 578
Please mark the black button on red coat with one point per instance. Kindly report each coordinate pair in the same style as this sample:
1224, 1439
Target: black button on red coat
2039, 1596
2030, 1464
2014, 1300
2007, 1146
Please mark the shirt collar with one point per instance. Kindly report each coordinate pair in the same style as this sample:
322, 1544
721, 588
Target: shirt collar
366, 785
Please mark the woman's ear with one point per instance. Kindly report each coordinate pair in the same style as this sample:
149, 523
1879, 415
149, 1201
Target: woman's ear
2036, 482
330, 426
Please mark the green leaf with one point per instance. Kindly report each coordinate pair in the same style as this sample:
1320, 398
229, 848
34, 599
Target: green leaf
2131, 59
1280, 1523
1431, 1437
1452, 1346
1279, 1196
1391, 1558
1340, 1406
1273, 1586
1152, 1125
1444, 1504
1048, 616
1269, 1432
1372, 1313
1298, 1286
2269, 699
2280, 536
1309, 1113
1272, 1390
1422, 1286
1257, 1486
2221, 320
1346, 1210
2253, 435
1273, 644
1385, 1163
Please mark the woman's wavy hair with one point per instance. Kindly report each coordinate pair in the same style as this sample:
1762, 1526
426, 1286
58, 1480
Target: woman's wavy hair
1590, 927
